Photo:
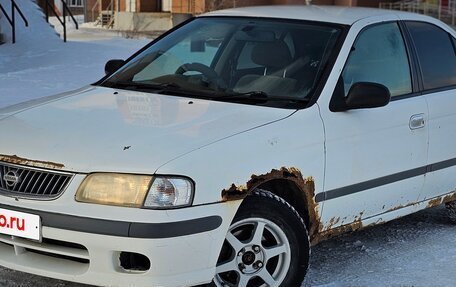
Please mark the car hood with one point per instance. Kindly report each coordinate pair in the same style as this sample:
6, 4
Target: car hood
101, 129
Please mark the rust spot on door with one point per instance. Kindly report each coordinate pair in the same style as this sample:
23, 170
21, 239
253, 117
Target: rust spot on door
398, 207
332, 222
14, 159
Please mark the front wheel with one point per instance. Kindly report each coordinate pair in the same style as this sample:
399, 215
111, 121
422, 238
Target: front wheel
267, 245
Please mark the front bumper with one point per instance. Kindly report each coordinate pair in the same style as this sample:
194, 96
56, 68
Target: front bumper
182, 252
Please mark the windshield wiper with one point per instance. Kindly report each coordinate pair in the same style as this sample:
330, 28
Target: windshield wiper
143, 86
260, 96
159, 88
171, 88
167, 88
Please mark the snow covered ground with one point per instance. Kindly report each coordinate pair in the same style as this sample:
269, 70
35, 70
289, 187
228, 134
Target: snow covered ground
418, 250
40, 64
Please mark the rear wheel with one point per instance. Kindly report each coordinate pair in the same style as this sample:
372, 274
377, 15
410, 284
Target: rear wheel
451, 209
266, 246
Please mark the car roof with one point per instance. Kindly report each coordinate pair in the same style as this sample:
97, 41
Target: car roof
330, 14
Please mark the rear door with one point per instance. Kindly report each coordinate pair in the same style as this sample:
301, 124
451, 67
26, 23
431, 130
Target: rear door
436, 53
375, 157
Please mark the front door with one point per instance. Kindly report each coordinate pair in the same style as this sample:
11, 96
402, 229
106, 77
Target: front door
375, 157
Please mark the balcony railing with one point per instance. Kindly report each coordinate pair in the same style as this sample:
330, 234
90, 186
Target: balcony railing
437, 9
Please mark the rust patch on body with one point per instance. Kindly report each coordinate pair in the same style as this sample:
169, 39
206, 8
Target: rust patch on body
234, 192
317, 231
324, 235
398, 207
435, 202
333, 221
449, 198
442, 199
14, 159
306, 186
329, 231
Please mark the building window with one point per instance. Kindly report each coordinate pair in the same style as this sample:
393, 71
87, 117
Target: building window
75, 3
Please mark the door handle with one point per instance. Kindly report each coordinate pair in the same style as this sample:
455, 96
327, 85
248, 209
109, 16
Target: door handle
417, 122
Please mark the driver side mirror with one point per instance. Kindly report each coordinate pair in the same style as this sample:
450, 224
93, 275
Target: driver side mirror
113, 65
362, 95
365, 95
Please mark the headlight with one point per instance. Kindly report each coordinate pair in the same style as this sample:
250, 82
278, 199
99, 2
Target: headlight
135, 190
114, 189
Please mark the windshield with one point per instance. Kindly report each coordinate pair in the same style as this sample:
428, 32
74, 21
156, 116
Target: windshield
250, 60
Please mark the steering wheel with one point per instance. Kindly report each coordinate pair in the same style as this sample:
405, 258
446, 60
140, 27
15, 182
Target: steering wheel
211, 76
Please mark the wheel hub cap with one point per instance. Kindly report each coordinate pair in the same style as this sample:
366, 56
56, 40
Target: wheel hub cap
250, 259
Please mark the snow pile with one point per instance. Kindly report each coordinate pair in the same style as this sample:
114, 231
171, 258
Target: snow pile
38, 30
41, 64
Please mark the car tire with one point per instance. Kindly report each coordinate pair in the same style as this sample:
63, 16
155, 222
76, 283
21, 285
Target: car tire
451, 210
267, 245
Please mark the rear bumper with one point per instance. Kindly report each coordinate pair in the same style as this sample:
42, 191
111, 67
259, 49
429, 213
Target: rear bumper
87, 250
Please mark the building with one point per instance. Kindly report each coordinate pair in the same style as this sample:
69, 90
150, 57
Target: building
120, 14
144, 15
200, 6
77, 7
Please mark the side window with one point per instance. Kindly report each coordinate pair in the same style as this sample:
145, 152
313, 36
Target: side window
379, 56
436, 54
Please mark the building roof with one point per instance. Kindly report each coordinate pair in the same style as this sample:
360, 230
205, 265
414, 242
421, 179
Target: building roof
331, 14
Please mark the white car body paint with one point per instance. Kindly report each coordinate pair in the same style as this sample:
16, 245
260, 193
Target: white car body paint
370, 143
218, 145
262, 149
440, 123
191, 125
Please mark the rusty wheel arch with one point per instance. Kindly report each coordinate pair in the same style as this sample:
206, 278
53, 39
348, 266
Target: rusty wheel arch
289, 184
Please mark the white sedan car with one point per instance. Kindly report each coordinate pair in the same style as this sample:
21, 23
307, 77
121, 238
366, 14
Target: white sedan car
222, 151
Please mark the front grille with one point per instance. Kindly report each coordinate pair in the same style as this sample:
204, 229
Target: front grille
31, 182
